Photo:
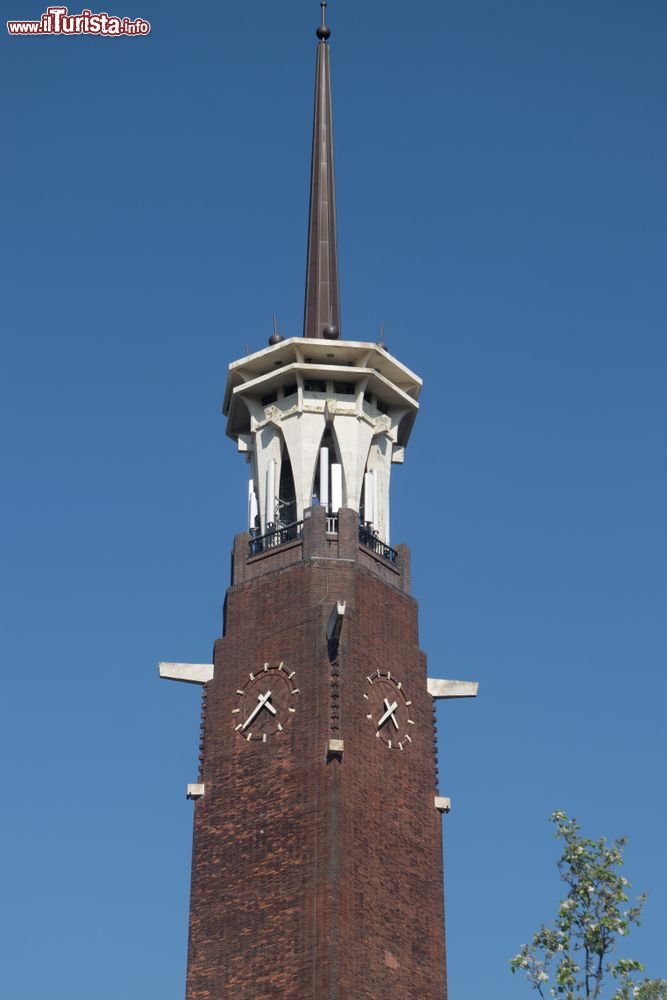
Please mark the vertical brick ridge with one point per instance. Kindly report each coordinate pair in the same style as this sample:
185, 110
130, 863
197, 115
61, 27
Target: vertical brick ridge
314, 533
348, 533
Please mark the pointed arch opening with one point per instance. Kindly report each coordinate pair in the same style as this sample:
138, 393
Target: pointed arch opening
374, 499
367, 502
328, 475
286, 499
368, 498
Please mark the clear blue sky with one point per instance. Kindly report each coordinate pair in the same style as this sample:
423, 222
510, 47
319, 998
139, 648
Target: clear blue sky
501, 189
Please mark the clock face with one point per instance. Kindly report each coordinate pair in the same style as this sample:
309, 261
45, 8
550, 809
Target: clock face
388, 710
266, 702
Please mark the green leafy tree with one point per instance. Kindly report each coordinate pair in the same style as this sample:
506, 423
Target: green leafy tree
571, 960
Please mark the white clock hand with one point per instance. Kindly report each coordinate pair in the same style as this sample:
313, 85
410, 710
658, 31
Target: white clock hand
389, 714
263, 702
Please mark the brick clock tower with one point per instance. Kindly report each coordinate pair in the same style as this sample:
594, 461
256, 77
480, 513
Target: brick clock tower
317, 855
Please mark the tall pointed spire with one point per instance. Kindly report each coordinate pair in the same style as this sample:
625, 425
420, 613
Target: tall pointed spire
322, 311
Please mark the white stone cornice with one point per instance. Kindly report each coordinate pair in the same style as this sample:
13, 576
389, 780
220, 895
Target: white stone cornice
294, 411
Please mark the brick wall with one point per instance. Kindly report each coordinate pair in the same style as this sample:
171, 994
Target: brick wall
317, 877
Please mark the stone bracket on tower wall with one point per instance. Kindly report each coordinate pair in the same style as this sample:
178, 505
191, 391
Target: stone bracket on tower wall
452, 689
189, 673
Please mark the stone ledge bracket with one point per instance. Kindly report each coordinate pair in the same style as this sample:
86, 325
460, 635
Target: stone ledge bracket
452, 689
189, 673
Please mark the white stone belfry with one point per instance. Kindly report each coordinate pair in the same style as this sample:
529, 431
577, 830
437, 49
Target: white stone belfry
289, 402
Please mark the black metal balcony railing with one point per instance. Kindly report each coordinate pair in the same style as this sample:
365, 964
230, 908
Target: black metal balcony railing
276, 537
285, 533
371, 541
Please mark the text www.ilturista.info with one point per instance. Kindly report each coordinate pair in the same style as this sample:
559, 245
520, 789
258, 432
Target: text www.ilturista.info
57, 21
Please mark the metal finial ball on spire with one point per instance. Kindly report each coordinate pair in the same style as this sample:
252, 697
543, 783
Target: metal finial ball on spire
275, 338
323, 31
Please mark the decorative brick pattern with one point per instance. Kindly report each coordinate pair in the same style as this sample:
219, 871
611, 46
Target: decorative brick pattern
335, 720
202, 735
